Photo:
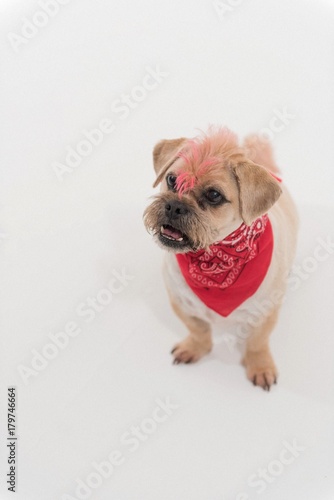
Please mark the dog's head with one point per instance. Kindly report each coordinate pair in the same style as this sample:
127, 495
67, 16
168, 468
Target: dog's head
208, 188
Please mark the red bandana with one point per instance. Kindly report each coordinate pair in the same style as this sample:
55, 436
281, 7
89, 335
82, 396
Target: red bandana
220, 276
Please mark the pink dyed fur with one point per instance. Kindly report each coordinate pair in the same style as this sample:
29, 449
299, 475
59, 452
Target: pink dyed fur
214, 149
203, 153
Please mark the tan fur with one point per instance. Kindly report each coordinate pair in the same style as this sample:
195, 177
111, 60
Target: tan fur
258, 190
260, 366
197, 344
251, 191
164, 154
249, 188
259, 151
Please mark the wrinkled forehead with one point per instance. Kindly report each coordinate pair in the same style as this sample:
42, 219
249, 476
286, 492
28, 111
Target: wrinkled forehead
203, 159
194, 169
189, 177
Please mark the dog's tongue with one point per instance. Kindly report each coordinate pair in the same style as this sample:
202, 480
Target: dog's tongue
172, 232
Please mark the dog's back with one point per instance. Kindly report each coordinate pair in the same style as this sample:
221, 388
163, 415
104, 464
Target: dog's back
259, 150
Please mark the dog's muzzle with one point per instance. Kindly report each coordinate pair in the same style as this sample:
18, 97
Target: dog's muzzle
170, 235
175, 209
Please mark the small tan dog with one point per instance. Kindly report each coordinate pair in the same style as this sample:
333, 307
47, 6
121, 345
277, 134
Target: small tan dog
229, 226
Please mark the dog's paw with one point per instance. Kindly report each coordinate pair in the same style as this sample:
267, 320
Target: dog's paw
189, 351
261, 369
263, 378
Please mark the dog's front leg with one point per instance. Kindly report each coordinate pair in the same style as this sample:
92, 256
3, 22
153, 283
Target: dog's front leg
260, 366
197, 344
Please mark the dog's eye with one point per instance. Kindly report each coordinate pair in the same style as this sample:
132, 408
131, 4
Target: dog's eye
171, 180
214, 197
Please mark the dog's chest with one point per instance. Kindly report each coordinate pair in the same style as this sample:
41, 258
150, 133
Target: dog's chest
184, 297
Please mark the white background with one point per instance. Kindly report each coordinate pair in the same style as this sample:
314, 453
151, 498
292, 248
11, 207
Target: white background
61, 240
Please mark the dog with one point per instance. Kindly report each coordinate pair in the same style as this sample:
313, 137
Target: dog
229, 226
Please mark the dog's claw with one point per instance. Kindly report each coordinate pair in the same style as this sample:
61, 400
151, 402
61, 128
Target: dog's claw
267, 385
260, 369
262, 380
189, 351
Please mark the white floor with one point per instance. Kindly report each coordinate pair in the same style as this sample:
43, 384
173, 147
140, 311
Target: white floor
111, 394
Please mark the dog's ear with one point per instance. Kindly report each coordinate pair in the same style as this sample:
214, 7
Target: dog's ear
258, 190
164, 154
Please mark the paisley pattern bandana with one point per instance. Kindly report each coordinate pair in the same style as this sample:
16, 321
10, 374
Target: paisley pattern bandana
231, 270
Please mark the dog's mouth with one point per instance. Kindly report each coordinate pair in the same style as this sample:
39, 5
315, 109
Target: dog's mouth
171, 233
172, 237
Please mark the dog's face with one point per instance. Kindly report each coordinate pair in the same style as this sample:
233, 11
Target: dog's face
208, 187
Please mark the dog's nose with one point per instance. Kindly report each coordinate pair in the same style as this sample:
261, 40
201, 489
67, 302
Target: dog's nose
175, 209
